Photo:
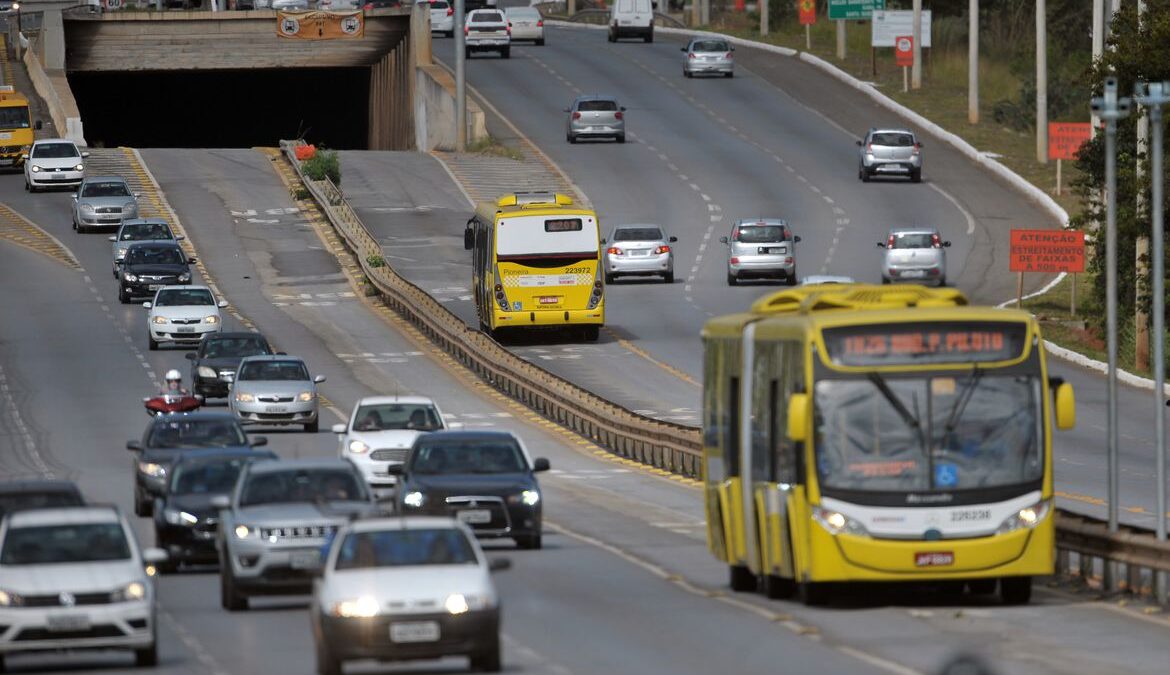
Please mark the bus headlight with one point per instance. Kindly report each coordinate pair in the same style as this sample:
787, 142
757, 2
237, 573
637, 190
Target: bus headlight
1026, 519
838, 523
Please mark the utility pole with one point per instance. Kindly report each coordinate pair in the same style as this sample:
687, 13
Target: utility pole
764, 17
840, 39
1041, 81
571, 7
1141, 356
1110, 108
460, 81
1098, 45
973, 62
916, 68
1154, 96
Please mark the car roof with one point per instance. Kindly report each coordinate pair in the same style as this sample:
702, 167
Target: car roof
273, 466
234, 335
463, 435
37, 485
145, 221
403, 523
209, 454
891, 130
926, 229
762, 221
379, 400
814, 279
635, 226
596, 97
156, 243
271, 357
47, 141
186, 287
66, 515
95, 179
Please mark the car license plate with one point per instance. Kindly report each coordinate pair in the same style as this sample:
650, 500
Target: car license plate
64, 623
5, 136
639, 251
414, 631
185, 329
474, 516
153, 287
934, 559
914, 274
550, 299
276, 409
304, 560
57, 177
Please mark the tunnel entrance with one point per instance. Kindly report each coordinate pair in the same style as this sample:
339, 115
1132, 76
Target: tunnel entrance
225, 108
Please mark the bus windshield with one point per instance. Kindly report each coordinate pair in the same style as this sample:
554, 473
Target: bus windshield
937, 432
14, 118
547, 235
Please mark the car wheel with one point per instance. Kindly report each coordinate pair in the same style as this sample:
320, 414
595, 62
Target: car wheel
467, 52
981, 586
741, 579
312, 427
327, 664
531, 542
1015, 590
609, 278
791, 279
916, 176
540, 42
649, 38
885, 280
229, 596
143, 508
115, 271
151, 343
146, 658
863, 175
728, 74
506, 52
611, 37
570, 138
123, 296
687, 73
668, 278
487, 661
942, 281
779, 588
26, 187
731, 279
591, 333
621, 138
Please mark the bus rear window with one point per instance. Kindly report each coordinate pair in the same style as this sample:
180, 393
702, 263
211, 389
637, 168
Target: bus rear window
563, 225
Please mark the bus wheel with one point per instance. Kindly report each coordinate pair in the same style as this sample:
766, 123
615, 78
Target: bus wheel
1015, 590
591, 333
815, 594
981, 586
742, 579
778, 588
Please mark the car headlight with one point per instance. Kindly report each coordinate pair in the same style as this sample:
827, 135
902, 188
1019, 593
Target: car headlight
414, 499
361, 608
86, 208
9, 599
245, 532
456, 603
204, 371
211, 319
152, 469
358, 447
838, 523
135, 590
527, 498
121, 253
126, 276
35, 169
1026, 519
130, 207
305, 396
244, 397
184, 277
159, 320
176, 517
79, 167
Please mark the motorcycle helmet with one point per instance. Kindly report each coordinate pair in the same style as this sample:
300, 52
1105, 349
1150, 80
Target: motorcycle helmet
173, 375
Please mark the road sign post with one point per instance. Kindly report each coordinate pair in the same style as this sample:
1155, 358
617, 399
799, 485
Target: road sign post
1047, 251
460, 80
1064, 141
904, 57
808, 16
844, 10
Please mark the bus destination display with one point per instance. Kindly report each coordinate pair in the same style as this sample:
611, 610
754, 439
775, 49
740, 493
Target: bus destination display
563, 225
924, 344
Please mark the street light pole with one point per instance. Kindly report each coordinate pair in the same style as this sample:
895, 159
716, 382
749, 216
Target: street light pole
1041, 81
1154, 96
973, 62
460, 81
1110, 109
916, 31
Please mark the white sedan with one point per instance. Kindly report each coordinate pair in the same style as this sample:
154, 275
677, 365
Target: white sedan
526, 23
182, 315
380, 432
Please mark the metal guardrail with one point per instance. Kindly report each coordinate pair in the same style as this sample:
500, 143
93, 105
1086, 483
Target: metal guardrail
664, 445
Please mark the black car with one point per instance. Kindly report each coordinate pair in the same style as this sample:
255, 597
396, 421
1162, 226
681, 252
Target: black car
213, 366
150, 265
18, 495
167, 437
481, 478
185, 522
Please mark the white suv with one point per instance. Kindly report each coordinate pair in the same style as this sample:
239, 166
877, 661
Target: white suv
486, 30
381, 431
74, 578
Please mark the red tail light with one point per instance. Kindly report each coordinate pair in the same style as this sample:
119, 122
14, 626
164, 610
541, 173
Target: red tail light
617, 115
450, 11
540, 24
869, 148
735, 261
466, 30
613, 250
368, 6
935, 242
691, 55
662, 249
509, 29
576, 115
890, 242
917, 148
729, 55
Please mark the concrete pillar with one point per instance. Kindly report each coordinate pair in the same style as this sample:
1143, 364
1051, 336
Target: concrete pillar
420, 35
53, 39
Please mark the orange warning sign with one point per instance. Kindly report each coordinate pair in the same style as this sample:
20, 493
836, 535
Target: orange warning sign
808, 11
1066, 138
1047, 251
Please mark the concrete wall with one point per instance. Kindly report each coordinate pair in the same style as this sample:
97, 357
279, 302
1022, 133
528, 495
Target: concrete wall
52, 86
434, 111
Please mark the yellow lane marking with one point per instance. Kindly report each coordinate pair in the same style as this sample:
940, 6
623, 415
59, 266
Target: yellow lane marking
23, 232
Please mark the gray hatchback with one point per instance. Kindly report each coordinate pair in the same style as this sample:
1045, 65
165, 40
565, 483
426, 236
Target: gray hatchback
595, 116
914, 254
889, 152
764, 248
709, 55
639, 250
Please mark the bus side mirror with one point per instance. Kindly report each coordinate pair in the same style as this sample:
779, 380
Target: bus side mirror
39, 125
798, 418
468, 239
1066, 406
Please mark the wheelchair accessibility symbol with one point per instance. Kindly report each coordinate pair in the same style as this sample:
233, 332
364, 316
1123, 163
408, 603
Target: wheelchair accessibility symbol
946, 475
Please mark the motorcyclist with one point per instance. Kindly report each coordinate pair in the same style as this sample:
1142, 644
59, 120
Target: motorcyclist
174, 385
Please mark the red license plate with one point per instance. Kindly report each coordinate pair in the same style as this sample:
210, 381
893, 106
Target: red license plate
934, 559
550, 300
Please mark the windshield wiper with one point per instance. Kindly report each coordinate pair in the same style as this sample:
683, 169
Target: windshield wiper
907, 417
963, 399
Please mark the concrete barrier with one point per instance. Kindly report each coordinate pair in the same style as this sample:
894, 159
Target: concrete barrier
434, 114
53, 87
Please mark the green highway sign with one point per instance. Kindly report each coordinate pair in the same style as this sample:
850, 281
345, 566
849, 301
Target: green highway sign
854, 9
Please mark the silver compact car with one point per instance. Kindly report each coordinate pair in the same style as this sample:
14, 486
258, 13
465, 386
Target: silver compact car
103, 201
595, 117
442, 15
889, 152
275, 389
638, 250
764, 248
709, 55
914, 254
526, 23
139, 229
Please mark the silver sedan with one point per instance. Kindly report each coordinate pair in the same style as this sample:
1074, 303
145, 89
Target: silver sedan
709, 55
595, 116
103, 201
275, 390
639, 250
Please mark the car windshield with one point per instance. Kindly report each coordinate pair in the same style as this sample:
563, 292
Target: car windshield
386, 416
488, 456
597, 105
12, 501
46, 544
637, 234
892, 140
523, 13
439, 4
928, 433
402, 548
267, 371
183, 297
912, 240
710, 46
105, 188
196, 433
146, 255
14, 118
55, 151
301, 485
213, 477
486, 17
761, 234
234, 347
144, 231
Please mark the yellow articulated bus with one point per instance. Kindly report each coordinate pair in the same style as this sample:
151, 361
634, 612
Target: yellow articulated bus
16, 127
536, 260
856, 433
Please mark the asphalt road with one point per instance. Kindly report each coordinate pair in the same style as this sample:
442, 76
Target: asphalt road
624, 584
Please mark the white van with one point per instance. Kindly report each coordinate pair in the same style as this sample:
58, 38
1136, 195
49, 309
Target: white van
632, 18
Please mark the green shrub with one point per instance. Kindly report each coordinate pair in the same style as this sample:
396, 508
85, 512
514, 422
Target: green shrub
375, 261
322, 165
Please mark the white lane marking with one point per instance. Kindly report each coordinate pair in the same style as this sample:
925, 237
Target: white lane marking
966, 214
22, 429
197, 649
705, 197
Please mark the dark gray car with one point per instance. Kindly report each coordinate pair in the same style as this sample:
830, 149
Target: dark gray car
103, 201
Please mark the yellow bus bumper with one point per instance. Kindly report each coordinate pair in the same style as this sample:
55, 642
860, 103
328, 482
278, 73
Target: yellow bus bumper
851, 558
551, 317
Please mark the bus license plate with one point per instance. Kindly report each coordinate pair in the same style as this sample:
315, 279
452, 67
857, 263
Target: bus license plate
550, 299
934, 559
414, 631
475, 517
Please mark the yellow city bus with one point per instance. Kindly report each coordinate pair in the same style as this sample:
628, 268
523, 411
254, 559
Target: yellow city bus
536, 260
858, 433
16, 127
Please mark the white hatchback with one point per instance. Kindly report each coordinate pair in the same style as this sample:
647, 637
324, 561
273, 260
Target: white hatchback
74, 579
182, 315
381, 431
53, 162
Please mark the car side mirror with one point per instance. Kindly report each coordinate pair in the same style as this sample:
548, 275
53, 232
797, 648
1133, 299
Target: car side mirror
603, 240
147, 305
338, 429
112, 238
858, 143
673, 239
74, 195
682, 49
282, 353
180, 237
192, 260
221, 304
24, 157
540, 464
722, 240
1066, 406
221, 502
468, 239
881, 244
137, 195
154, 556
396, 470
85, 155
319, 379
622, 108
258, 441
38, 125
499, 564
134, 446
947, 244
796, 238
190, 356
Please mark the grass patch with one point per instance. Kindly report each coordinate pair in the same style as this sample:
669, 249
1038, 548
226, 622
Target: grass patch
492, 147
324, 164
374, 260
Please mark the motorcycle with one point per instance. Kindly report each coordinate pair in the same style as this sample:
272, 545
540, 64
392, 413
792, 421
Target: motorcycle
172, 404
